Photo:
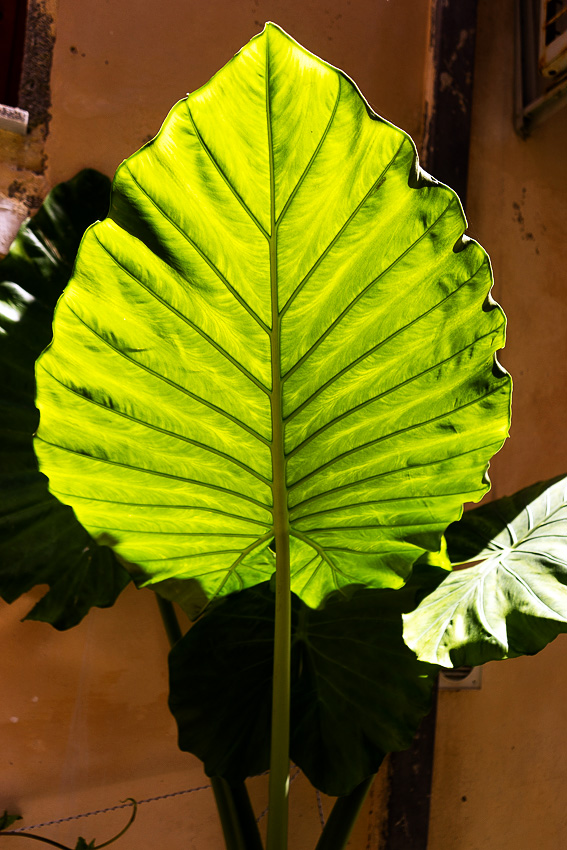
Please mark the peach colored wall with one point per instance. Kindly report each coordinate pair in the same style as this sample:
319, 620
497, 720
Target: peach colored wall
500, 765
119, 67
84, 725
83, 717
99, 729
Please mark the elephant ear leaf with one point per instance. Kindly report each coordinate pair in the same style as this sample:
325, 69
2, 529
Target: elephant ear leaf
514, 602
357, 692
41, 541
279, 332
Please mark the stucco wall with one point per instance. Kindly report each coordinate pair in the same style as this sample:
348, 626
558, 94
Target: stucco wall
83, 722
84, 725
500, 765
118, 68
83, 717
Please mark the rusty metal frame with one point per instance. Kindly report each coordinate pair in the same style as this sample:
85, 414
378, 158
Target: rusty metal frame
536, 96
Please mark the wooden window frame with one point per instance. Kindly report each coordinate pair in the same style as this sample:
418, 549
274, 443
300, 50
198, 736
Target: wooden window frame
13, 14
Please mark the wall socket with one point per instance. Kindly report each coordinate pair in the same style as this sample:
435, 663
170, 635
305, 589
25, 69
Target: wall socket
460, 679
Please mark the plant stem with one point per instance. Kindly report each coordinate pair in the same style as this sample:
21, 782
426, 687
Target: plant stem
238, 823
338, 828
235, 811
227, 814
170, 621
245, 817
35, 838
279, 755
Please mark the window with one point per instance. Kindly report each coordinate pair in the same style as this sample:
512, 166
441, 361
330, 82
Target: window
541, 61
12, 38
553, 38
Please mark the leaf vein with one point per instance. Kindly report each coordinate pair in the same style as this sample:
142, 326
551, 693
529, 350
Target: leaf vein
171, 383
355, 505
222, 351
63, 495
158, 473
202, 254
384, 436
164, 431
313, 156
216, 164
379, 345
392, 472
339, 233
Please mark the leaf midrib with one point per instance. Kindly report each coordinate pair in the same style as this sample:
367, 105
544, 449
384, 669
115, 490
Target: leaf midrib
279, 460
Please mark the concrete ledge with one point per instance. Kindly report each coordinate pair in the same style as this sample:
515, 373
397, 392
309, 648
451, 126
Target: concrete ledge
13, 119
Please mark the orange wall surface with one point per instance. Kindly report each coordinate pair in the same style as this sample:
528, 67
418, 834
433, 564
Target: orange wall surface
119, 67
83, 716
500, 758
84, 722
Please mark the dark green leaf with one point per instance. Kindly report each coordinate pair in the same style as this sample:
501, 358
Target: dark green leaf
41, 541
357, 691
512, 603
7, 820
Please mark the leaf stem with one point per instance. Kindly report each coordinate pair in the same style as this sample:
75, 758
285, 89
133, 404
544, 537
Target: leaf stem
279, 754
246, 817
233, 838
236, 815
235, 811
341, 821
170, 621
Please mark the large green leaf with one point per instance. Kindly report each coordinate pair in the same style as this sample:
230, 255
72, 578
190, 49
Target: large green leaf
41, 541
357, 692
512, 603
279, 330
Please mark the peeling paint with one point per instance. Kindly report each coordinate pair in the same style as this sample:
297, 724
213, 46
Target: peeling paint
34, 95
19, 190
23, 161
12, 214
518, 216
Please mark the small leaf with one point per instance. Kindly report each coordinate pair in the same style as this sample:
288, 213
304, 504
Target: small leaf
7, 820
357, 691
512, 603
83, 845
41, 541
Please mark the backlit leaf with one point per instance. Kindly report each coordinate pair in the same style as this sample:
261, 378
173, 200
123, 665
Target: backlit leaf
279, 326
